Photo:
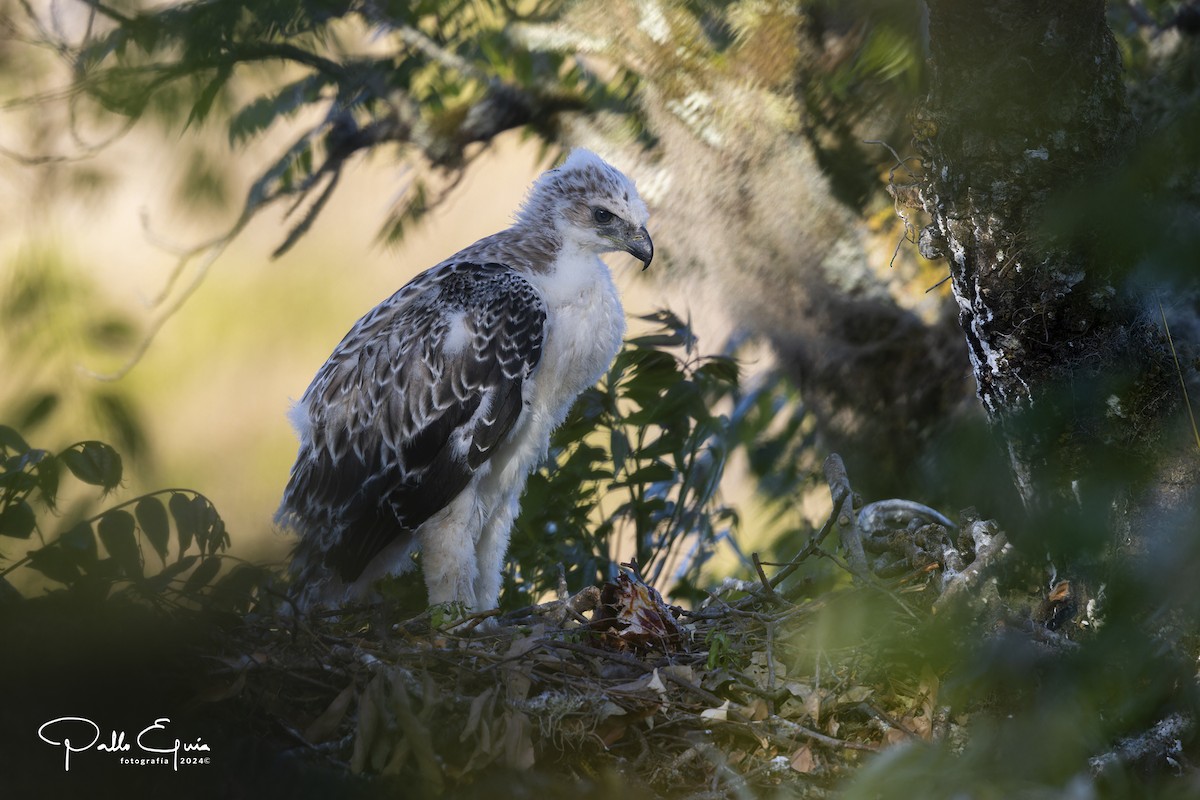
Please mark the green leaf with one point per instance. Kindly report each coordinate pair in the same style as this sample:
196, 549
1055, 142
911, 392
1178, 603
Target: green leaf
206, 97
48, 473
676, 330
657, 340
204, 573
185, 520
35, 410
204, 515
218, 539
15, 482
17, 520
618, 445
236, 589
210, 528
93, 462
120, 417
258, 115
156, 583
11, 441
55, 564
79, 543
721, 368
655, 472
116, 530
152, 519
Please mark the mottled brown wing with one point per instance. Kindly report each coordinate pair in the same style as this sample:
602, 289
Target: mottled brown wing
411, 403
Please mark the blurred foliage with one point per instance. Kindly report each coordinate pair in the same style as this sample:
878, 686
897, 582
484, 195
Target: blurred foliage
876, 69
430, 76
97, 555
56, 324
635, 472
433, 77
1140, 216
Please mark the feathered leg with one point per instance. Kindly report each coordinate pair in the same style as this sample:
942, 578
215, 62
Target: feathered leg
492, 546
448, 552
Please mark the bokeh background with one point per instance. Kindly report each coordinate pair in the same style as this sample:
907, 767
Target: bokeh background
143, 303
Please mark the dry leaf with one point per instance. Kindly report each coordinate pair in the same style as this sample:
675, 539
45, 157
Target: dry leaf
323, 728
804, 760
921, 725
368, 723
476, 713
517, 679
384, 751
256, 659
757, 710
721, 712
222, 691
641, 684
611, 731
681, 672
930, 685
855, 695
812, 705
764, 671
397, 759
610, 709
518, 743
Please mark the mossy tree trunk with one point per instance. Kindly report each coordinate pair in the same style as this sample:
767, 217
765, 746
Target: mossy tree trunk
1026, 104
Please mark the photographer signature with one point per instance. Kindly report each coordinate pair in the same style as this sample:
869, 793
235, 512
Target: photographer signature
69, 733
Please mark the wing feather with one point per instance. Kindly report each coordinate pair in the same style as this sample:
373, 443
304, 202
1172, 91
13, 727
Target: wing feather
410, 405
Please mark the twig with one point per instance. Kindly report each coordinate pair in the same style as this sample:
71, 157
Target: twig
839, 486
813, 545
704, 694
762, 576
619, 658
1163, 741
901, 163
990, 543
795, 729
939, 283
889, 720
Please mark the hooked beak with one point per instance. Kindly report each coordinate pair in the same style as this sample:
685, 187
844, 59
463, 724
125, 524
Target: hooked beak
641, 247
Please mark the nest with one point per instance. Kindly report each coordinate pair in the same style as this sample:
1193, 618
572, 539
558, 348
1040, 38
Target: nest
612, 686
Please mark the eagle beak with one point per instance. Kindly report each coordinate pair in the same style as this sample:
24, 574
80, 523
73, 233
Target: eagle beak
641, 247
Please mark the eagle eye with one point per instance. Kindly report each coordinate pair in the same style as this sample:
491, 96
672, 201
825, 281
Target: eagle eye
602, 216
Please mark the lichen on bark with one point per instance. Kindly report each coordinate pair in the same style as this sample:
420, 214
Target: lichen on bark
1026, 103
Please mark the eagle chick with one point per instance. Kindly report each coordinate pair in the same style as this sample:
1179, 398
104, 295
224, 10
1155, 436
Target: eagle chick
425, 422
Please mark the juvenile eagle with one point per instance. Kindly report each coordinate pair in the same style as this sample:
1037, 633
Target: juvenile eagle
425, 422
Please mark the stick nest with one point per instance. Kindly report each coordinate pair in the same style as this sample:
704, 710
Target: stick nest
752, 690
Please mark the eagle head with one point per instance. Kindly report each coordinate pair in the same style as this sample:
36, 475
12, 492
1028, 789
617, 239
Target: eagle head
592, 206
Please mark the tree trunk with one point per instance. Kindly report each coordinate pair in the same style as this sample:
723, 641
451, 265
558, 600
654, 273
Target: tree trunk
1027, 102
